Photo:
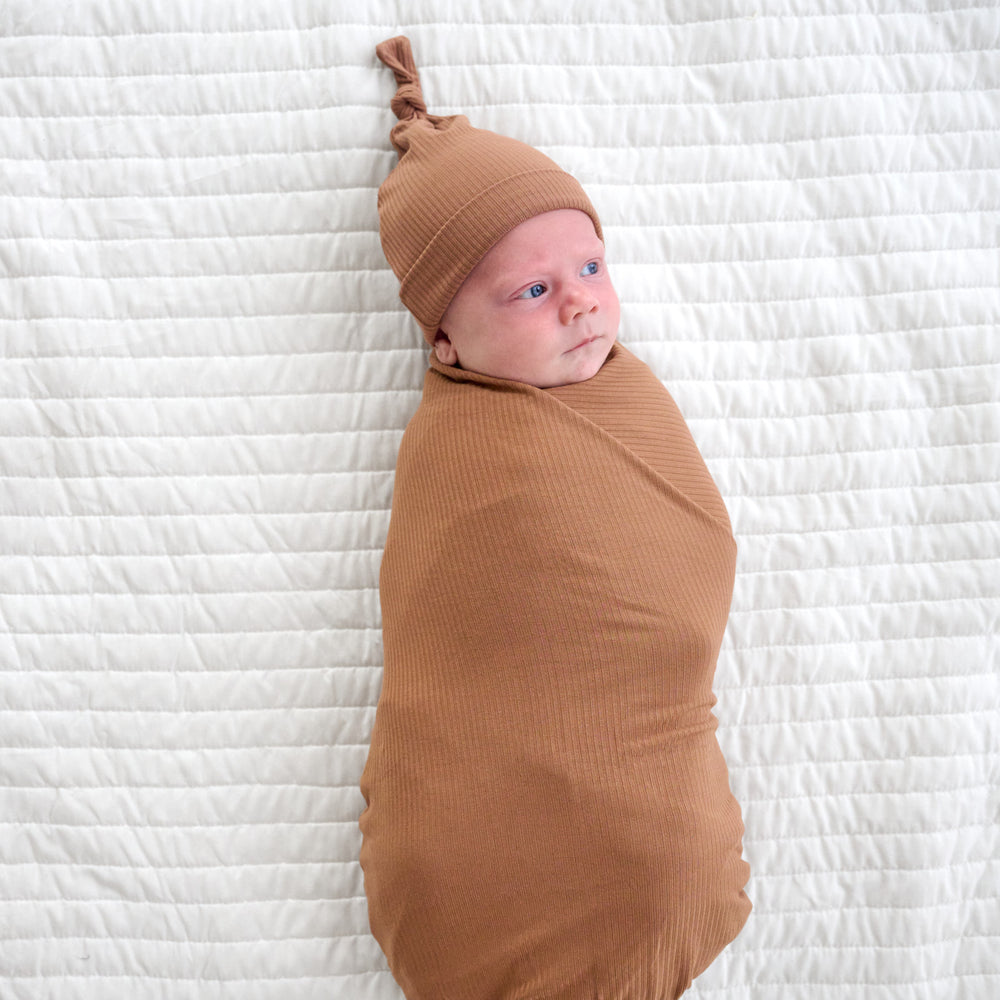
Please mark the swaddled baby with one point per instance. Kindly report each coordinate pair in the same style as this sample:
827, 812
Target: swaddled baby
548, 811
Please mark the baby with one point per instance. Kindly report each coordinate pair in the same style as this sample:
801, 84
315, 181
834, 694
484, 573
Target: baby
548, 813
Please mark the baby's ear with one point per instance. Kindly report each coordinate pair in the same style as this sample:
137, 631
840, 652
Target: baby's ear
445, 349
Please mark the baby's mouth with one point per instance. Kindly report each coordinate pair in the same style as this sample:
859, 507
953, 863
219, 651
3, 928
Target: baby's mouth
583, 343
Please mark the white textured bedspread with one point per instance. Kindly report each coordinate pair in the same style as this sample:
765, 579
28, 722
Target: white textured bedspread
205, 372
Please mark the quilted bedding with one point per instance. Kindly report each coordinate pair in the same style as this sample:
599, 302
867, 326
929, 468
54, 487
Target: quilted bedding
206, 372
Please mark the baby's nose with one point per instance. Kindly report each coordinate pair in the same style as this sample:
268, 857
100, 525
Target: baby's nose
577, 302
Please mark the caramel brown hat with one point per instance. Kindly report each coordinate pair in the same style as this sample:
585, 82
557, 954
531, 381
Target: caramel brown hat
455, 192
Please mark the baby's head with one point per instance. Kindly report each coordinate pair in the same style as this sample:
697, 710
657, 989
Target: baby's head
538, 308
499, 252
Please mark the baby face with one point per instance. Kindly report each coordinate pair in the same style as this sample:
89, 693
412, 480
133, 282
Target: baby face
538, 308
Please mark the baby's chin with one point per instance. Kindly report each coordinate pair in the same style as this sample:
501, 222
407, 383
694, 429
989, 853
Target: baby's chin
592, 358
585, 363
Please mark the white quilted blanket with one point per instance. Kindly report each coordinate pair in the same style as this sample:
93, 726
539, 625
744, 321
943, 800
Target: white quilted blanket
205, 376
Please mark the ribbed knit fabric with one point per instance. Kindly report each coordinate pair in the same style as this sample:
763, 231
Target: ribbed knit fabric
548, 809
456, 191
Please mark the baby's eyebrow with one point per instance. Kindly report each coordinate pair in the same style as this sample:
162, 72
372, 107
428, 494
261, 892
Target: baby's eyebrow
518, 284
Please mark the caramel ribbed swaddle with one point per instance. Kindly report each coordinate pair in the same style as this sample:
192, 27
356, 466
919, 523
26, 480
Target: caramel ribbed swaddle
548, 810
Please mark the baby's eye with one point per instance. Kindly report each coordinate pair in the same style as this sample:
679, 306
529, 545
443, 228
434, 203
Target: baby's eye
533, 292
592, 268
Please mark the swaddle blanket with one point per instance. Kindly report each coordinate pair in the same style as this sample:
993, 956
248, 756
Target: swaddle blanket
548, 810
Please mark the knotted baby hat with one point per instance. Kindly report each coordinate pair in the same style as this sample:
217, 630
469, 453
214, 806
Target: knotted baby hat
455, 192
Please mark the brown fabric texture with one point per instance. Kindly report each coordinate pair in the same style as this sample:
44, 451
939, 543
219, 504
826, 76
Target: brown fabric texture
548, 813
455, 192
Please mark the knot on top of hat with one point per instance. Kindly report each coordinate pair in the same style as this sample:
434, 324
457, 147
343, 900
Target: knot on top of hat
408, 102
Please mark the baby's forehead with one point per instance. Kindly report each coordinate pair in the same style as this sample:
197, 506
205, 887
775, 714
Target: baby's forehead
545, 238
